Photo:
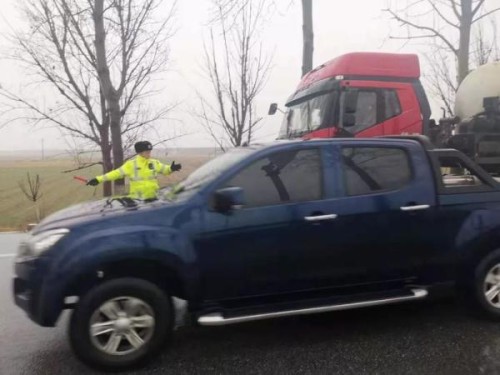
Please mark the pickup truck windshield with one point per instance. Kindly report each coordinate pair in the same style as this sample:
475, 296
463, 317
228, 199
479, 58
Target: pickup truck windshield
309, 115
206, 173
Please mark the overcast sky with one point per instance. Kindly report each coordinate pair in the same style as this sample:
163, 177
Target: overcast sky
340, 26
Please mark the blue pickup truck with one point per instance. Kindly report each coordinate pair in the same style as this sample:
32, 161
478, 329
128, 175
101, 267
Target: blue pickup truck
266, 231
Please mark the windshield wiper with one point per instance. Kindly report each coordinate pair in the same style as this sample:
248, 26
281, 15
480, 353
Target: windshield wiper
172, 194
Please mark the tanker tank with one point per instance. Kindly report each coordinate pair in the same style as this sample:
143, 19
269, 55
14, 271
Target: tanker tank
481, 83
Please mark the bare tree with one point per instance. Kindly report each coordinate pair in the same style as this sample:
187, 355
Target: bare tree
230, 9
441, 82
440, 76
31, 189
95, 61
449, 25
485, 49
426, 19
237, 72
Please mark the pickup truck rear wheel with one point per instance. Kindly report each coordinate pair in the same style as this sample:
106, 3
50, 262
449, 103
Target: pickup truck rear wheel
485, 288
120, 324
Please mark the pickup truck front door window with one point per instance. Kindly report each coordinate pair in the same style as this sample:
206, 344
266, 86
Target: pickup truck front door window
290, 176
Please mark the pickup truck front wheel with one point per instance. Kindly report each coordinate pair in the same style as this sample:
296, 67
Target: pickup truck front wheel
120, 324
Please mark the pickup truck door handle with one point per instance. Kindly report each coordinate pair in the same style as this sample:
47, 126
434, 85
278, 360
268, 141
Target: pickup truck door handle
415, 207
320, 217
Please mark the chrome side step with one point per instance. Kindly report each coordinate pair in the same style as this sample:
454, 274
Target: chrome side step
217, 319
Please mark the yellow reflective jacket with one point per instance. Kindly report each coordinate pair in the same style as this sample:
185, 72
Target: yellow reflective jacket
142, 174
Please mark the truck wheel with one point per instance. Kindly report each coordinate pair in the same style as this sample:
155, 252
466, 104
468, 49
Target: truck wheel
120, 324
484, 291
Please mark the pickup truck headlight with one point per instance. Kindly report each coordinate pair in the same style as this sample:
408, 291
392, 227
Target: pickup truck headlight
41, 242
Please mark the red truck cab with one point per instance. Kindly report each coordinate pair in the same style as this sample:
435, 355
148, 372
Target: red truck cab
359, 94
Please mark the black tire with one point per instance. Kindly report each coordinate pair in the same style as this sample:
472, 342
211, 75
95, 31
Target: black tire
79, 326
474, 291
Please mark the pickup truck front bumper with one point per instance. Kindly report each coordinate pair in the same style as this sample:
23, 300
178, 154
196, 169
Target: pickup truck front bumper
27, 288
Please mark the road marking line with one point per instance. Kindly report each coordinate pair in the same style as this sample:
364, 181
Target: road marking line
7, 255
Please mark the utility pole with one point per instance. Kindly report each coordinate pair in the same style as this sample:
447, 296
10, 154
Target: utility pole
308, 37
43, 150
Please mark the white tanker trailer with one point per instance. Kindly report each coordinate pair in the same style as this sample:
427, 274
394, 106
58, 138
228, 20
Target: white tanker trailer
476, 129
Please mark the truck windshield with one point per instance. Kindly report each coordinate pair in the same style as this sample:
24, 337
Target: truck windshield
206, 173
313, 113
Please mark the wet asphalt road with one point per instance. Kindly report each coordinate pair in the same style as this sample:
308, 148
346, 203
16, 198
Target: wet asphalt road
418, 338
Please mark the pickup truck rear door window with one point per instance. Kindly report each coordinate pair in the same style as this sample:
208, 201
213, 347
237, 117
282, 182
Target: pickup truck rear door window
286, 176
368, 169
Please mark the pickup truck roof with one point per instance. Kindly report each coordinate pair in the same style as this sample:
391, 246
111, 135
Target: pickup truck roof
423, 140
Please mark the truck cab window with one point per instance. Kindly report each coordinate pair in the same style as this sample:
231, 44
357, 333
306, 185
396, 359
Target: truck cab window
374, 106
309, 114
366, 111
368, 170
281, 177
391, 103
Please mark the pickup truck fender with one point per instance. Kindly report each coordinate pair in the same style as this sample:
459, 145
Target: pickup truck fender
85, 255
478, 235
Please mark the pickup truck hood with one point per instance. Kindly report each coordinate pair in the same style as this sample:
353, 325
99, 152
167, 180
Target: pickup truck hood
83, 212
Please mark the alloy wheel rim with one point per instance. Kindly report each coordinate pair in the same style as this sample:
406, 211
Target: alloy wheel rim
492, 286
122, 325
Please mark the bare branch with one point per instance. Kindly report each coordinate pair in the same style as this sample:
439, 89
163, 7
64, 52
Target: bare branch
478, 6
455, 9
441, 14
486, 15
83, 167
433, 31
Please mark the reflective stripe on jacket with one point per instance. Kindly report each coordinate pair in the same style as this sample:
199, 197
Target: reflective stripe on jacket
142, 174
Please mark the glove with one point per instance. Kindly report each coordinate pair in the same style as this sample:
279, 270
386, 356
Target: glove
175, 167
93, 182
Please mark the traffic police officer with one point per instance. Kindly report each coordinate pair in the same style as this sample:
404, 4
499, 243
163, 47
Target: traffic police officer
142, 172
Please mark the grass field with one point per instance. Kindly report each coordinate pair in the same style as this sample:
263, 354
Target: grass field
58, 189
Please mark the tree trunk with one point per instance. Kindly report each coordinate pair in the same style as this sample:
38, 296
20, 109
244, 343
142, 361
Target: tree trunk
308, 35
116, 140
107, 165
464, 43
109, 92
37, 212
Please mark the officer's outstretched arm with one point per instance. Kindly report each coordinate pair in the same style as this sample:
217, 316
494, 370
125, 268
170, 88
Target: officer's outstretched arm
163, 168
113, 175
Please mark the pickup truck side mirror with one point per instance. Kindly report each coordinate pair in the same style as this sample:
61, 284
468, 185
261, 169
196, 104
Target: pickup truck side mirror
228, 199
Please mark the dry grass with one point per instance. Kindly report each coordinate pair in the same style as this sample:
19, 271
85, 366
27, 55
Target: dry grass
59, 189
